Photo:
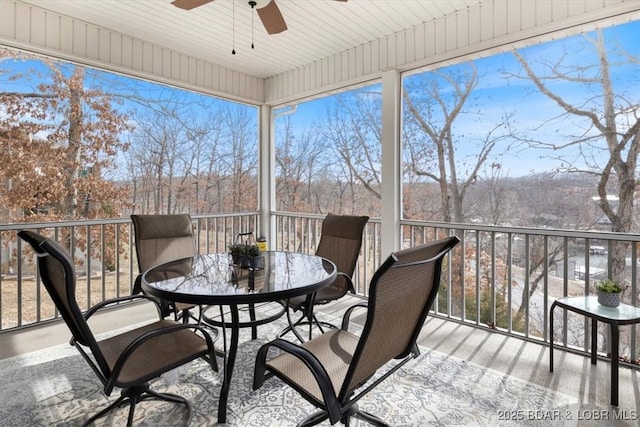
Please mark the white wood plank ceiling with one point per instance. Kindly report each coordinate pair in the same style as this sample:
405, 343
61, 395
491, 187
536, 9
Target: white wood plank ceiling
317, 29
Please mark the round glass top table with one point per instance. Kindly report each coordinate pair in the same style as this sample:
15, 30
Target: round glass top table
213, 279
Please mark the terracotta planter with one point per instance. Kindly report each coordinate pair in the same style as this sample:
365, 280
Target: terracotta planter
609, 299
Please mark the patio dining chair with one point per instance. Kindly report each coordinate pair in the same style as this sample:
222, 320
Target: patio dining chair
340, 242
128, 360
336, 369
159, 239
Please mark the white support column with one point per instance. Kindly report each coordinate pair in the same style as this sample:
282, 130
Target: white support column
391, 211
267, 182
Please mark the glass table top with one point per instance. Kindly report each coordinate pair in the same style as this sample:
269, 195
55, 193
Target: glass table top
589, 304
213, 278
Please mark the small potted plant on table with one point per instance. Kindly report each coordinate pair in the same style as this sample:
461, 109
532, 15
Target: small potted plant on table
237, 251
608, 293
245, 254
252, 252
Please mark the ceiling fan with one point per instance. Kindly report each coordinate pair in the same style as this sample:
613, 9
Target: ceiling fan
269, 14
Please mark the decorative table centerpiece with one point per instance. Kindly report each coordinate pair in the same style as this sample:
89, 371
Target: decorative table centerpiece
608, 293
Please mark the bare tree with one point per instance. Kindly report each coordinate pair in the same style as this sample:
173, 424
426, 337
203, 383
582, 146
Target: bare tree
434, 101
490, 201
192, 155
299, 162
241, 159
601, 126
157, 148
203, 174
354, 130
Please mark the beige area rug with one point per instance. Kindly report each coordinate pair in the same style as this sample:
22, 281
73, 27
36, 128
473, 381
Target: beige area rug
55, 387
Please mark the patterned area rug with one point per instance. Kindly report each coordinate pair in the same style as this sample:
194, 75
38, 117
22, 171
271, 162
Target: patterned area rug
56, 387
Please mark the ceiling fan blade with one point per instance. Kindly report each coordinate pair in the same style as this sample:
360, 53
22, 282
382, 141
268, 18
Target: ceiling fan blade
189, 4
272, 18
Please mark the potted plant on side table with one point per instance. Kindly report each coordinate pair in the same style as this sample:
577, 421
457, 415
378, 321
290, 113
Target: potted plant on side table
608, 293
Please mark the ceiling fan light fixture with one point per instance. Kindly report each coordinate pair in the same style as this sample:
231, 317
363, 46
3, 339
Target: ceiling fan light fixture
267, 10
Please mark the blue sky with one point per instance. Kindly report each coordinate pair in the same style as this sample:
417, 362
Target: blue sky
496, 95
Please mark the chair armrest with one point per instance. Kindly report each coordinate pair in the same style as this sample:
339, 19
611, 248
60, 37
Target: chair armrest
350, 287
346, 318
91, 311
311, 362
142, 339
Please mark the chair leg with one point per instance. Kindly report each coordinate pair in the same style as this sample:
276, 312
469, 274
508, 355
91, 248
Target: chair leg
132, 407
133, 395
185, 315
292, 326
309, 319
320, 324
355, 412
122, 400
314, 419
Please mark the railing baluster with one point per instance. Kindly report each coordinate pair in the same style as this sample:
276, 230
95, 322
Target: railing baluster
132, 262
634, 300
103, 259
492, 247
478, 274
467, 244
586, 324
